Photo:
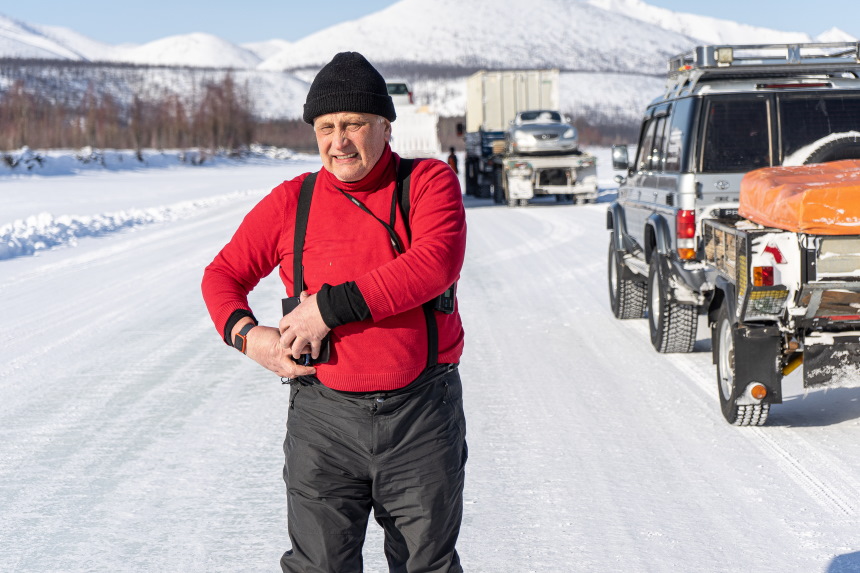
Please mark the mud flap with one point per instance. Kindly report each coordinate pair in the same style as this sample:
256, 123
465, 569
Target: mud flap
836, 363
756, 353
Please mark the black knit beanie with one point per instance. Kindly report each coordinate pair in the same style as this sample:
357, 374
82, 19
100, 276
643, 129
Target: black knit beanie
348, 83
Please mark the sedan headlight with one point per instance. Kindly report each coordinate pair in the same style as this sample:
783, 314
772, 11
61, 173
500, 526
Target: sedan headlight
569, 134
523, 138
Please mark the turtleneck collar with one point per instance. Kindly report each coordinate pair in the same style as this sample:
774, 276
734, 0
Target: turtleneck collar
379, 177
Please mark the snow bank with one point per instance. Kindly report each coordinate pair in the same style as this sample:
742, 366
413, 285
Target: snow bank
26, 161
44, 231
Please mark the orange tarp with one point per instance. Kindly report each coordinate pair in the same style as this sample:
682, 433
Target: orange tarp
820, 199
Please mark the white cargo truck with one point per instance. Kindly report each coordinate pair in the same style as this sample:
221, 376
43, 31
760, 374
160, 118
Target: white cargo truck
513, 158
415, 132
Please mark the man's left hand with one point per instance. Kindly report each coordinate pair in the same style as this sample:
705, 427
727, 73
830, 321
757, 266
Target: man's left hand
303, 327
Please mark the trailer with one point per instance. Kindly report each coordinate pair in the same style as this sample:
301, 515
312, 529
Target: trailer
520, 178
786, 292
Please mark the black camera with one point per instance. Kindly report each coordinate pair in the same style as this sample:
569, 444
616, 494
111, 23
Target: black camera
287, 305
445, 301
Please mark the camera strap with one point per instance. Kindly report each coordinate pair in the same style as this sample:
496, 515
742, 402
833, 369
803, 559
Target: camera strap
399, 197
395, 240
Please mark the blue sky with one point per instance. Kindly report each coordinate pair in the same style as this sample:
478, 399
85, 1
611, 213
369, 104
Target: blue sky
142, 21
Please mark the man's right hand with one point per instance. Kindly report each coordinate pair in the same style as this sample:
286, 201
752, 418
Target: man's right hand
263, 345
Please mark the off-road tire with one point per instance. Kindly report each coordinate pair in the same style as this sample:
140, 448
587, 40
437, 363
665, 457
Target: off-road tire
723, 342
672, 324
626, 296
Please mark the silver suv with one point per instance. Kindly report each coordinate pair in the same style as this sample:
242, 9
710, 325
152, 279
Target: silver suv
726, 110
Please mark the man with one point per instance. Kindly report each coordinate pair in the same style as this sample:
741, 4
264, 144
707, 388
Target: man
380, 425
452, 161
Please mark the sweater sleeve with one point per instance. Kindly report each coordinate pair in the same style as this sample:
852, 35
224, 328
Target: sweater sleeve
341, 304
433, 261
251, 254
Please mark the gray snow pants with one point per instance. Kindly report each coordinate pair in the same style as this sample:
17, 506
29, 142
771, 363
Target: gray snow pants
400, 453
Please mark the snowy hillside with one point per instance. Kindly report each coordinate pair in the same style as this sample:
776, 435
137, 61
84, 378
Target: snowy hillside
515, 33
268, 48
197, 49
436, 45
704, 28
623, 35
20, 40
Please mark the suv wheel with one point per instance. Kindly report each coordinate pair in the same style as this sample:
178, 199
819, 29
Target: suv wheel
672, 324
723, 341
626, 297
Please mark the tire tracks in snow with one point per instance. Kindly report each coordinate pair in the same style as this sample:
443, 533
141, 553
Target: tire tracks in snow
824, 478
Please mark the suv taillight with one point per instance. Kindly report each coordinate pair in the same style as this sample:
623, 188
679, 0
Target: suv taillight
410, 98
685, 232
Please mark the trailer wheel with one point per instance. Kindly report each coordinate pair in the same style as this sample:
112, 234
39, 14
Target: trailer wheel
626, 297
723, 341
672, 324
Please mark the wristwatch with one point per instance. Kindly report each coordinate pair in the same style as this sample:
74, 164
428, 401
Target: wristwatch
240, 341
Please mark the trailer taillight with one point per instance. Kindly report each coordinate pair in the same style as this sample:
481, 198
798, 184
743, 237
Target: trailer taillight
685, 231
762, 276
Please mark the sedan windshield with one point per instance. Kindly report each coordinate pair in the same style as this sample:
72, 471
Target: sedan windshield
538, 115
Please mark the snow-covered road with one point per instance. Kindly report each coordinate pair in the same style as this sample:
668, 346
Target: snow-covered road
133, 439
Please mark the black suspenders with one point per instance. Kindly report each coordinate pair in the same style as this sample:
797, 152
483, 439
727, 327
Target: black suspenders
401, 198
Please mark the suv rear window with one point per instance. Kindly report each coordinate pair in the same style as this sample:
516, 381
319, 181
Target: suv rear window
805, 119
736, 135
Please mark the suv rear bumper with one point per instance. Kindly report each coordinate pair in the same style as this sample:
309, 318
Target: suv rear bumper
691, 282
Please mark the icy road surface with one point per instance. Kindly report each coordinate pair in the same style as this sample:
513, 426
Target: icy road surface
133, 439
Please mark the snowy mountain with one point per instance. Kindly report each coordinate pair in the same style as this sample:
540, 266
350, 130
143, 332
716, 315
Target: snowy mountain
20, 40
268, 48
516, 33
203, 50
835, 35
703, 28
586, 35
436, 45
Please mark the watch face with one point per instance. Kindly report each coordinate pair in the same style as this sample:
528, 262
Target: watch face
240, 341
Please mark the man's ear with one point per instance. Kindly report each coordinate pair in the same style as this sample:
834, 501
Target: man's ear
387, 131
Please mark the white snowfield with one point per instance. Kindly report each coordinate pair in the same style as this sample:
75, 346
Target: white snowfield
133, 439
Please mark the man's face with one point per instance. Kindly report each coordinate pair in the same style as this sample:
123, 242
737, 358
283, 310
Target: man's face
351, 143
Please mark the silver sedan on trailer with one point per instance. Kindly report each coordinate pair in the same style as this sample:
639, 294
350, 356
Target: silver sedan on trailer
541, 132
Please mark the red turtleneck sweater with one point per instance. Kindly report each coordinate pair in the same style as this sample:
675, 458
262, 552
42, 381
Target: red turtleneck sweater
342, 244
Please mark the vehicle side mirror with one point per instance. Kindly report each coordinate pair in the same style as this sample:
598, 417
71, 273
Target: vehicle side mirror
461, 130
620, 160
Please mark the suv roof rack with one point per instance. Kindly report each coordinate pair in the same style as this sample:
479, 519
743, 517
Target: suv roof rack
772, 60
